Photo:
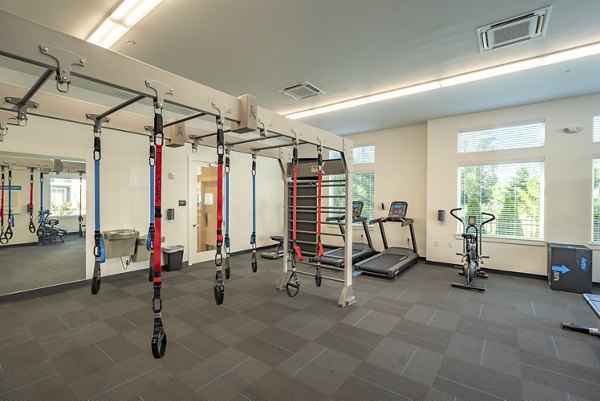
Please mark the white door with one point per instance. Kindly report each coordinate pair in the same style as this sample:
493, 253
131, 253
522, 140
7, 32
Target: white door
202, 211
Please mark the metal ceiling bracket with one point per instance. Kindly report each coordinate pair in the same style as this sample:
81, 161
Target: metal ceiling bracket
97, 121
221, 115
160, 89
21, 109
64, 61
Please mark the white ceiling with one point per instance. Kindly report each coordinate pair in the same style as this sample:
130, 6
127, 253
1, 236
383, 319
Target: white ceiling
348, 48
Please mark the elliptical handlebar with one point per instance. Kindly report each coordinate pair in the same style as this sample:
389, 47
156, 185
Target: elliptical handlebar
492, 218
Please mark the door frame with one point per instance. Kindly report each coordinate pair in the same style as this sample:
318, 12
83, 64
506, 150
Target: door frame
195, 257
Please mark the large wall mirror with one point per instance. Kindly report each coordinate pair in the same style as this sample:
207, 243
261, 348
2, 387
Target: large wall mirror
43, 232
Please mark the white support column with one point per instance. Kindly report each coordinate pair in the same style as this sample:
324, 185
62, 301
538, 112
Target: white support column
347, 294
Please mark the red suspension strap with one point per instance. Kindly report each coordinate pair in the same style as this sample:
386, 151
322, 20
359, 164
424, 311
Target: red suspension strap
159, 337
318, 275
219, 287
30, 206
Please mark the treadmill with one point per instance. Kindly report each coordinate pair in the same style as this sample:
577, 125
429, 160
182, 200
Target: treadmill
334, 257
391, 261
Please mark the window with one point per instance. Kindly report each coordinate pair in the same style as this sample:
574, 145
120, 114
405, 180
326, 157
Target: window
360, 155
596, 221
363, 189
512, 192
530, 135
596, 128
64, 196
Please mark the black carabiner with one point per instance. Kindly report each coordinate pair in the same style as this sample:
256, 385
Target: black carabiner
159, 339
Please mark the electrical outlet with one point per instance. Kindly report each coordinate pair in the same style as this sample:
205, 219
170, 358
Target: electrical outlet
436, 243
449, 244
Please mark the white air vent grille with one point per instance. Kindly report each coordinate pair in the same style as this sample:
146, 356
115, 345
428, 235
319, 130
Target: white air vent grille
302, 90
514, 30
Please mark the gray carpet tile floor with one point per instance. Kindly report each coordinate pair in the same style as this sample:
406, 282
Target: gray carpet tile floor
27, 267
414, 338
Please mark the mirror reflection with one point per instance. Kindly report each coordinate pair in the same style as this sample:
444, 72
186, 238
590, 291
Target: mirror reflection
42, 221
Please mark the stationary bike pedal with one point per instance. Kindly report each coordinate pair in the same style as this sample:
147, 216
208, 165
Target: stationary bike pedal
482, 275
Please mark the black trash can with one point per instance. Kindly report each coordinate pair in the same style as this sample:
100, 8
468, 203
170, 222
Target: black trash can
570, 268
173, 257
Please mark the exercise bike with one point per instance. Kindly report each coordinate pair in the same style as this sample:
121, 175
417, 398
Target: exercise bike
472, 259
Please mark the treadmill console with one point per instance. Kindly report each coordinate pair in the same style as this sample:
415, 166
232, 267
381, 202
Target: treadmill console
472, 220
357, 207
398, 210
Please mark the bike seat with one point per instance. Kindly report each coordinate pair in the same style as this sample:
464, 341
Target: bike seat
469, 235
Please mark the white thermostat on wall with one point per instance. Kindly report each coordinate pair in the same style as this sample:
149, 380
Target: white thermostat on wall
171, 176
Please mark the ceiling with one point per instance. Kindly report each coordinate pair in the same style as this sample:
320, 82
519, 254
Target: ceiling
348, 48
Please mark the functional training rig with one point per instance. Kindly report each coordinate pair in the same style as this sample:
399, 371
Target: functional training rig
64, 56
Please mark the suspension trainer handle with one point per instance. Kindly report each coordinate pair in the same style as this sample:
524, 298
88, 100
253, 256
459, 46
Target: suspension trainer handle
159, 338
219, 287
30, 206
3, 239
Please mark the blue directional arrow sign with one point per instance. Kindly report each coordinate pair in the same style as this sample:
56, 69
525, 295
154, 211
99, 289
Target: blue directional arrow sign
563, 269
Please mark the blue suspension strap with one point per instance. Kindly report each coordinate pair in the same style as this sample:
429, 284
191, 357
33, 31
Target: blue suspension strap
99, 251
226, 240
150, 236
3, 239
30, 205
80, 217
41, 211
8, 234
159, 337
253, 261
219, 287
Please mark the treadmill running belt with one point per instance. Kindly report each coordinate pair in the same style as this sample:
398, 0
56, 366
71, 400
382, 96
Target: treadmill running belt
339, 252
382, 263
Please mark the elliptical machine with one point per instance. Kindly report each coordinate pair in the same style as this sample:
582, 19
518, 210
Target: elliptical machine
472, 258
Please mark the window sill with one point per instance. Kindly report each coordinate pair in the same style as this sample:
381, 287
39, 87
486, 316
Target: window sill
510, 240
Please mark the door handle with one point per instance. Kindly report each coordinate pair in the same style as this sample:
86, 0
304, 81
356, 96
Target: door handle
194, 225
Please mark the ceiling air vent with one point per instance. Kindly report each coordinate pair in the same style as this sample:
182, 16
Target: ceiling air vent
302, 90
513, 30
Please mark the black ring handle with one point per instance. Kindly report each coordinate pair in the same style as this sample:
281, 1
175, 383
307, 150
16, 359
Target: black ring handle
227, 267
219, 288
8, 233
31, 227
159, 339
254, 262
318, 279
96, 279
292, 288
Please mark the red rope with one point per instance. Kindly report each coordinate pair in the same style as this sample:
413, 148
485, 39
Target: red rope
157, 215
31, 194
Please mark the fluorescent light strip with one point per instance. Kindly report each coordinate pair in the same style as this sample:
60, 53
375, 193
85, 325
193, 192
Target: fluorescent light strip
549, 59
129, 13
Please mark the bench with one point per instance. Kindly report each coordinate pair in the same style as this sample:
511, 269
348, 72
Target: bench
593, 301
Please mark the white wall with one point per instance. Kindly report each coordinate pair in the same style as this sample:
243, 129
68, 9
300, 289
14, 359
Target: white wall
125, 188
568, 181
400, 175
